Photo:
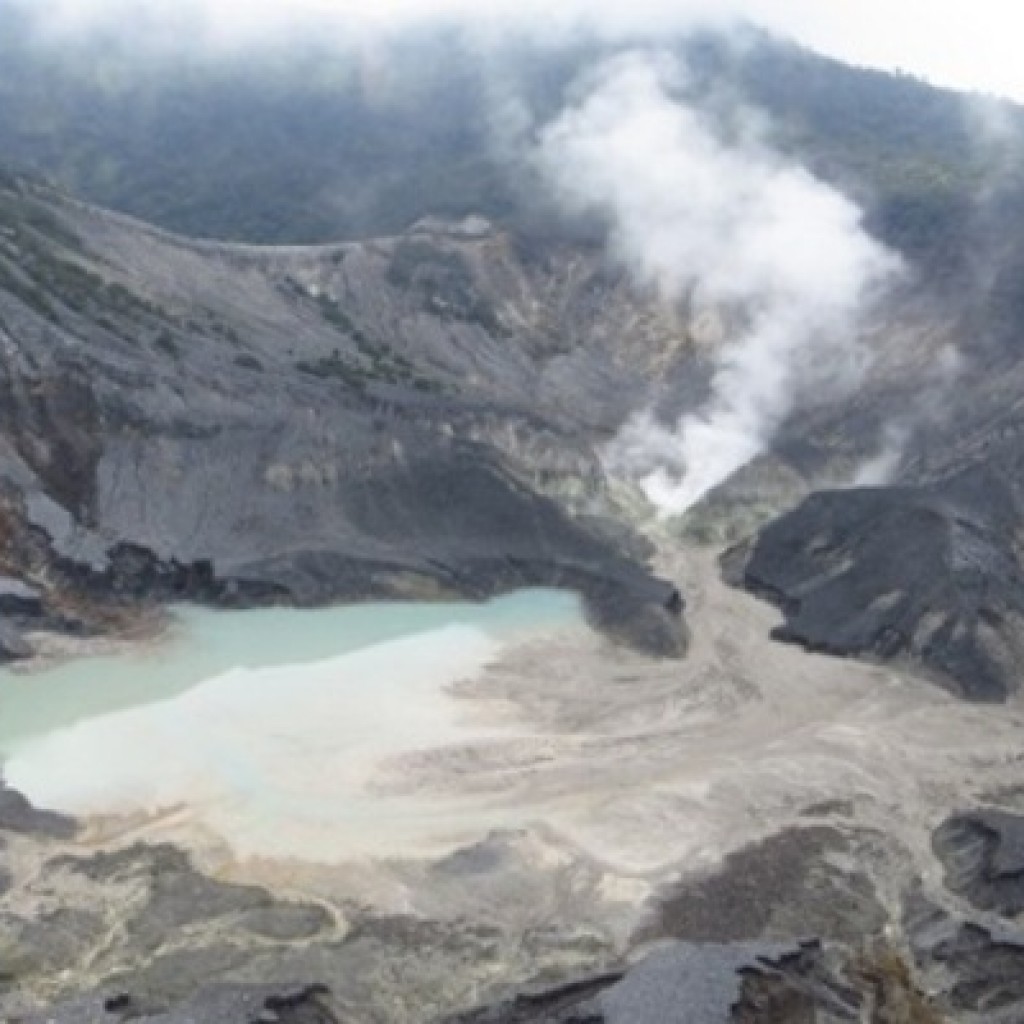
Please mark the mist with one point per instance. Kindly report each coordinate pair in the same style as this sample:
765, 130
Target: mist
916, 36
730, 227
217, 25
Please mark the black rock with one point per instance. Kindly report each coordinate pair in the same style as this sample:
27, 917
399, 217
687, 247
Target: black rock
985, 972
19, 600
784, 885
18, 815
13, 646
226, 1004
386, 449
929, 575
692, 984
983, 854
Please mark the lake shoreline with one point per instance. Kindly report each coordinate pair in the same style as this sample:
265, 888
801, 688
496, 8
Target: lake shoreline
751, 792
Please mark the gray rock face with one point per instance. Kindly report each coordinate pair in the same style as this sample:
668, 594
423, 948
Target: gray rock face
140, 933
977, 965
13, 646
929, 574
19, 816
16, 598
983, 854
781, 887
695, 984
989, 969
227, 1004
791, 929
415, 417
238, 425
978, 969
187, 948
685, 985
178, 895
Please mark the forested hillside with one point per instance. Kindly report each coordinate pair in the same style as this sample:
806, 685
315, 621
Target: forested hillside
335, 141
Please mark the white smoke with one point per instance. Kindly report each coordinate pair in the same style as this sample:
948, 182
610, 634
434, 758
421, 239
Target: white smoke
881, 467
738, 228
928, 408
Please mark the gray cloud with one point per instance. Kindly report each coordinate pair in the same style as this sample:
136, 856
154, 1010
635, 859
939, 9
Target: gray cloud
229, 23
973, 46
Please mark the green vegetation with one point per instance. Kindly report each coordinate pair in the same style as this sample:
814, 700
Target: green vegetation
39, 265
373, 361
300, 149
334, 366
443, 281
22, 288
356, 376
275, 149
383, 366
211, 147
912, 155
40, 278
309, 145
20, 214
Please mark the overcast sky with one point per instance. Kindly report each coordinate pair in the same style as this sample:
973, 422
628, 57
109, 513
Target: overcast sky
969, 44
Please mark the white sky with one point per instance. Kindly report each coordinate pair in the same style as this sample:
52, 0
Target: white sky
969, 44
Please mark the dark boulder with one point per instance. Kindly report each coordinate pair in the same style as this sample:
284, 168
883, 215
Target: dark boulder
692, 984
13, 646
929, 575
18, 815
227, 1004
983, 854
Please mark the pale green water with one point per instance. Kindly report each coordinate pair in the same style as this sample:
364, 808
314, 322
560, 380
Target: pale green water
272, 729
204, 643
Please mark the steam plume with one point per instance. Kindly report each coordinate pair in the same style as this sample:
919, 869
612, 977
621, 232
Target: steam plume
740, 230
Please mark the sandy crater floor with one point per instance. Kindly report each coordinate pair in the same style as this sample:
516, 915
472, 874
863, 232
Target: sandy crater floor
566, 782
590, 774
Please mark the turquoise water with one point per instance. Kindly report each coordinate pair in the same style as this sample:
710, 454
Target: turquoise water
281, 732
204, 643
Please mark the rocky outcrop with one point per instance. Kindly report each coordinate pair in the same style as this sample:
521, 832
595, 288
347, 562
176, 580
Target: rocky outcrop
820, 922
789, 929
782, 887
17, 815
983, 854
688, 984
138, 932
926, 965
228, 1004
929, 575
242, 426
988, 968
977, 966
